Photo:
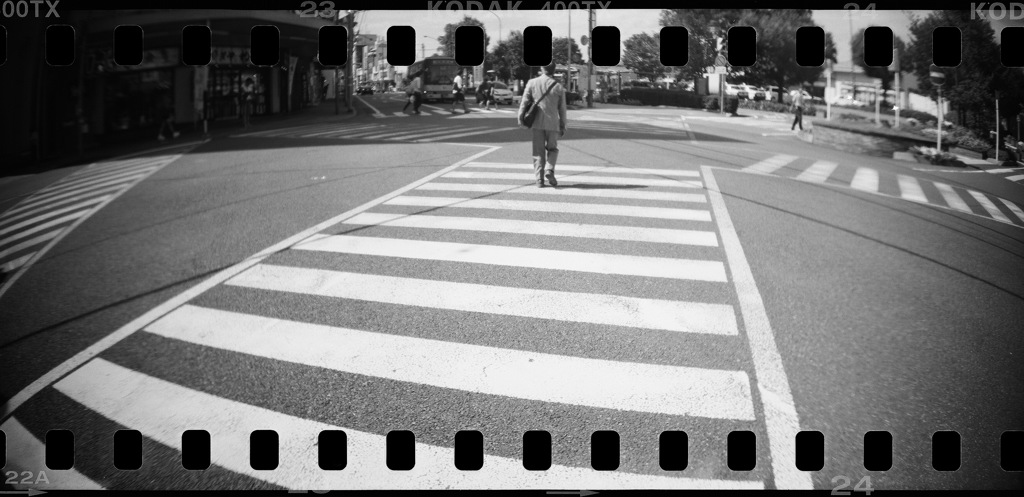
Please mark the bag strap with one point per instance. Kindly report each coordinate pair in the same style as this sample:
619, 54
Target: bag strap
535, 103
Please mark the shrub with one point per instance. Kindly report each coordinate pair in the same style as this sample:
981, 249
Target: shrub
769, 106
658, 96
851, 117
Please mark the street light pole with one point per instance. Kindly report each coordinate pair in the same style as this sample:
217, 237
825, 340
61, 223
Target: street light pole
590, 58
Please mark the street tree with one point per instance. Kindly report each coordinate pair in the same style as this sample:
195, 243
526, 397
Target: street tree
776, 62
447, 40
508, 58
560, 47
970, 87
704, 27
883, 73
642, 55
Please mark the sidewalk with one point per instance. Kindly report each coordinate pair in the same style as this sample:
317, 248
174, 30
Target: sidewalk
215, 129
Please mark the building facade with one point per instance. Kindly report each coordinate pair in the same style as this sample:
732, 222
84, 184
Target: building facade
95, 101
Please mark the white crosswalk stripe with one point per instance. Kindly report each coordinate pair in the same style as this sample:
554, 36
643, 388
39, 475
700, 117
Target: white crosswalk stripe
951, 197
868, 180
865, 179
818, 172
408, 264
1013, 208
162, 411
34, 225
910, 189
544, 228
771, 165
989, 206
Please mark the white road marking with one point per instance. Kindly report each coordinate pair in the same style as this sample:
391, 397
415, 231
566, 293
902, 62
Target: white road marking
671, 390
47, 225
865, 179
374, 109
87, 182
439, 129
951, 197
1001, 170
162, 411
564, 207
407, 136
629, 265
608, 180
180, 299
30, 243
612, 310
461, 135
30, 212
344, 131
16, 263
82, 194
910, 189
771, 164
570, 192
400, 113
818, 172
94, 200
26, 454
1019, 177
780, 416
590, 169
1013, 208
542, 228
989, 206
96, 175
46, 215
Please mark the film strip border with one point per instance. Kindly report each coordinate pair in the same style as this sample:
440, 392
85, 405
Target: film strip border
672, 451
264, 49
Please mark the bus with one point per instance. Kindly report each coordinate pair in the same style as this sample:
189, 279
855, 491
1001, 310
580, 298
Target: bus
438, 73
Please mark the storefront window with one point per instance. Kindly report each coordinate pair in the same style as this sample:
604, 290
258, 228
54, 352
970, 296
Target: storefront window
225, 89
138, 100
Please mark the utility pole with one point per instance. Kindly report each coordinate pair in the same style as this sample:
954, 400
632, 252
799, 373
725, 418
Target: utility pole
351, 60
568, 57
590, 58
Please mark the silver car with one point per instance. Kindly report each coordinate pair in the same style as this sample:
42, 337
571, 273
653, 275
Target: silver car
501, 93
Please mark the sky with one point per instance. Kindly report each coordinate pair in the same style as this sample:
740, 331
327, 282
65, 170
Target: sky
431, 24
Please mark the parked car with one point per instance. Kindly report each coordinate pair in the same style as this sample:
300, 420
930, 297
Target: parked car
735, 90
364, 90
501, 93
750, 92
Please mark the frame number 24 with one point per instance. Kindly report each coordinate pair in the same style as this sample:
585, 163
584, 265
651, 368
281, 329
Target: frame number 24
864, 485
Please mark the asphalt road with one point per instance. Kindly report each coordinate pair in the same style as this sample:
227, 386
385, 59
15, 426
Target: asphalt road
690, 273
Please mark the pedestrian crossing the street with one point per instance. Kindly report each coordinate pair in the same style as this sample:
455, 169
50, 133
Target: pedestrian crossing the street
420, 133
906, 187
31, 227
471, 300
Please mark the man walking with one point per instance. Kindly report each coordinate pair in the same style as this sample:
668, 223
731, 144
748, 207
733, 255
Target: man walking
484, 93
797, 106
458, 91
417, 94
549, 96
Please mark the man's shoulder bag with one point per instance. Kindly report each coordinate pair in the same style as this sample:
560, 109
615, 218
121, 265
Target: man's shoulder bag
530, 115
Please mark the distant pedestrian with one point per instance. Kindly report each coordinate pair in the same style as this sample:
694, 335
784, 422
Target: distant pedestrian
248, 89
484, 91
417, 92
166, 119
797, 105
409, 99
549, 124
459, 92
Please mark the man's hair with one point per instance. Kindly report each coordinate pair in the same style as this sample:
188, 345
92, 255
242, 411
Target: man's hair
550, 68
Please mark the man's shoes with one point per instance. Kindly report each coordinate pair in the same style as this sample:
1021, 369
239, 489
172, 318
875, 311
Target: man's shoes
551, 179
540, 183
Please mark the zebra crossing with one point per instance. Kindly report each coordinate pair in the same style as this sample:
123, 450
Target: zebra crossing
906, 187
32, 226
437, 111
473, 292
419, 133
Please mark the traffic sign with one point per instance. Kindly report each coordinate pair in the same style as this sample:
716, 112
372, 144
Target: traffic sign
937, 76
721, 69
584, 40
721, 60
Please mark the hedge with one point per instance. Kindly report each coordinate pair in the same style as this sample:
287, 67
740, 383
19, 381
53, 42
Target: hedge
658, 96
769, 106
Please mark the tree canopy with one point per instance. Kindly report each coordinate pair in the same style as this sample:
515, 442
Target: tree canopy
447, 40
642, 55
